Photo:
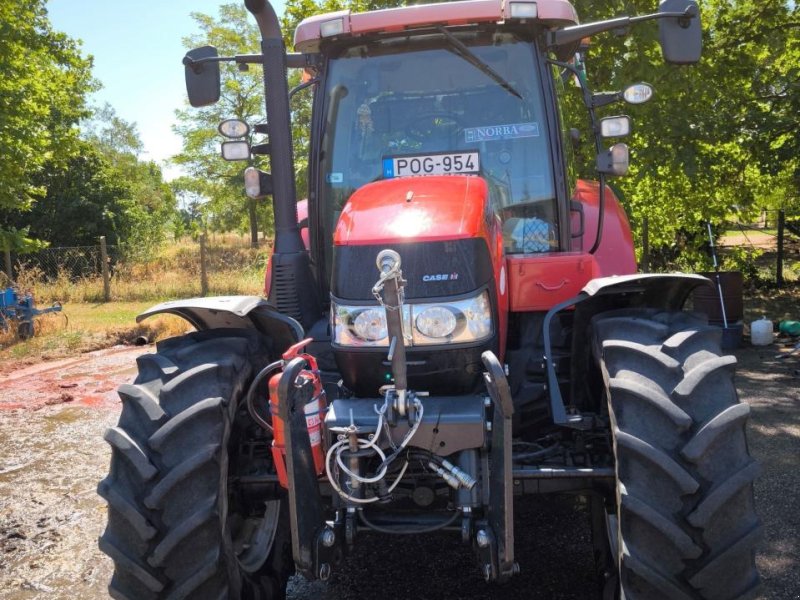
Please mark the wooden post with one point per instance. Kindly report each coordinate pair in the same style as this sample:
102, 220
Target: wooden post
9, 269
203, 273
779, 266
645, 245
104, 267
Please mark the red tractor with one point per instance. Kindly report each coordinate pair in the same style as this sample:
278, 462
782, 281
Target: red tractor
460, 322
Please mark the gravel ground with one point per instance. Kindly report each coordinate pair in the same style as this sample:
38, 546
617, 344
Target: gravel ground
52, 417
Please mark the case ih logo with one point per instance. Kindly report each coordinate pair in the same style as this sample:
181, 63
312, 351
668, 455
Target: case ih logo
440, 277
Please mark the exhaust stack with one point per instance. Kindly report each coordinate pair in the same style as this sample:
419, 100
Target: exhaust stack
291, 267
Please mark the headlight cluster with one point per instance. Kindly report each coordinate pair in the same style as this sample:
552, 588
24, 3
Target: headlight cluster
461, 321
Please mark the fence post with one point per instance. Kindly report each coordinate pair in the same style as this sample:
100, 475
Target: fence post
645, 245
779, 266
9, 269
203, 273
104, 267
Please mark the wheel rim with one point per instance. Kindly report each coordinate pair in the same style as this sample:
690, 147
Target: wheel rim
256, 537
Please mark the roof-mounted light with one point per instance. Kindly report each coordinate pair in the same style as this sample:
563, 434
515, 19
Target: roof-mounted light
524, 10
332, 27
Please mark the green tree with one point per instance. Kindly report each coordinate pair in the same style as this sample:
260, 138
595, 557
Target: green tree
149, 204
242, 97
42, 97
720, 137
102, 189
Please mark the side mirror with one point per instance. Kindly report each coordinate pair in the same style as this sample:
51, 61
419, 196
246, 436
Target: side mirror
614, 161
680, 37
202, 76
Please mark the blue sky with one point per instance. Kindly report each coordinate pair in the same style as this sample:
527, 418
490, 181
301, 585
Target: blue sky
137, 53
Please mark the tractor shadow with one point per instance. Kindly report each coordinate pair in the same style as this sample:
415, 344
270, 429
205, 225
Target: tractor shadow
772, 388
553, 548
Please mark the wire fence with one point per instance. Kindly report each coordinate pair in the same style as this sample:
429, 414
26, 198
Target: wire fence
215, 263
74, 262
773, 243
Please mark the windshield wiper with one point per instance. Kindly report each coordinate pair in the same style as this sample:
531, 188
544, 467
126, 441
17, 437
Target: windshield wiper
461, 50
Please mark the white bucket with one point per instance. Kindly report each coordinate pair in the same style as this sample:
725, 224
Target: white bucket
761, 332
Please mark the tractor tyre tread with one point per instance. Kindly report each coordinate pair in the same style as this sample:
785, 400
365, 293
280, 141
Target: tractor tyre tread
687, 526
167, 529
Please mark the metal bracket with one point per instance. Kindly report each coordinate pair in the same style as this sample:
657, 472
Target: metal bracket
315, 546
557, 408
501, 493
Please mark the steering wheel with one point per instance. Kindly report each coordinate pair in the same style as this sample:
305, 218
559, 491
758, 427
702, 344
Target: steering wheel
431, 124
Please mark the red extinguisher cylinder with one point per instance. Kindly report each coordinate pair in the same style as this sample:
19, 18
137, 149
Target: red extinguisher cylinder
314, 411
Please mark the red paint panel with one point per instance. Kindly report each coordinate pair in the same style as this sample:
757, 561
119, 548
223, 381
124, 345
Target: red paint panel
307, 35
415, 209
542, 281
616, 255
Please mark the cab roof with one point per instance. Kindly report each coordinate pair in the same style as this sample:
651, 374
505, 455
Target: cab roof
309, 32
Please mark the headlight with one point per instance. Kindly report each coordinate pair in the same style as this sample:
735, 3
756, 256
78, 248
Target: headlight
436, 322
370, 324
458, 322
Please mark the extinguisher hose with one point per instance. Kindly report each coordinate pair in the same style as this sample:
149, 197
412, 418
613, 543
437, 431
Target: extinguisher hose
251, 393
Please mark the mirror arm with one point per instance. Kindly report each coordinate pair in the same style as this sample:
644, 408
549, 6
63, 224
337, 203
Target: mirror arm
604, 98
587, 98
197, 65
570, 35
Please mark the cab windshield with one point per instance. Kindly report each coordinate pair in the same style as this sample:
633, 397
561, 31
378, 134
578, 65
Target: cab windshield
399, 108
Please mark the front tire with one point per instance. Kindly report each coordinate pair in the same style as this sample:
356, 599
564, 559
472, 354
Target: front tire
685, 525
175, 529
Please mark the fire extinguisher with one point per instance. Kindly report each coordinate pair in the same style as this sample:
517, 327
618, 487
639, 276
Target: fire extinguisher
314, 411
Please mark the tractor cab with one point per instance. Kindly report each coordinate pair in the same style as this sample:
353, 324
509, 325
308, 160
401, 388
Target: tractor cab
417, 105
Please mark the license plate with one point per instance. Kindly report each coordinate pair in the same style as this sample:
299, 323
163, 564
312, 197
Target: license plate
444, 163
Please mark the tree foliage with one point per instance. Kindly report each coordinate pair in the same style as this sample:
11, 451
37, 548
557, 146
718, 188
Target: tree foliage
102, 189
42, 97
242, 97
720, 139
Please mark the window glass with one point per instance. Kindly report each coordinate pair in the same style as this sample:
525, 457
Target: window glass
395, 101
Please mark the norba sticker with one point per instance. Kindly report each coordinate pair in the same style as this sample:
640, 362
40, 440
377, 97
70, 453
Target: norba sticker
489, 133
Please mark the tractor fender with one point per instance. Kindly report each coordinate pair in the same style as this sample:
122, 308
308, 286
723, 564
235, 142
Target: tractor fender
659, 291
667, 291
233, 312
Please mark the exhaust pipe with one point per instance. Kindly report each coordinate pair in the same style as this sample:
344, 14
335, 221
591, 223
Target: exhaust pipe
291, 267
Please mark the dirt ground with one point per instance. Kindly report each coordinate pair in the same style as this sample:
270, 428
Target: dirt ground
52, 418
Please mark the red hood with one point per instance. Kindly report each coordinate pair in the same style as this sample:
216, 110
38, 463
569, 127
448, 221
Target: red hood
416, 209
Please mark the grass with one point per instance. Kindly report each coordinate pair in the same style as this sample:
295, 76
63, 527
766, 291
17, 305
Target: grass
87, 323
83, 327
174, 272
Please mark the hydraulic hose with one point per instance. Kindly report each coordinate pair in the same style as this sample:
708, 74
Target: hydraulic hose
251, 393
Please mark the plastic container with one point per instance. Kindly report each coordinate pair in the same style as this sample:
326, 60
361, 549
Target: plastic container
761, 332
731, 335
789, 327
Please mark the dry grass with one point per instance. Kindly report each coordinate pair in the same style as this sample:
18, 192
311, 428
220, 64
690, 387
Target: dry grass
87, 323
86, 327
232, 269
